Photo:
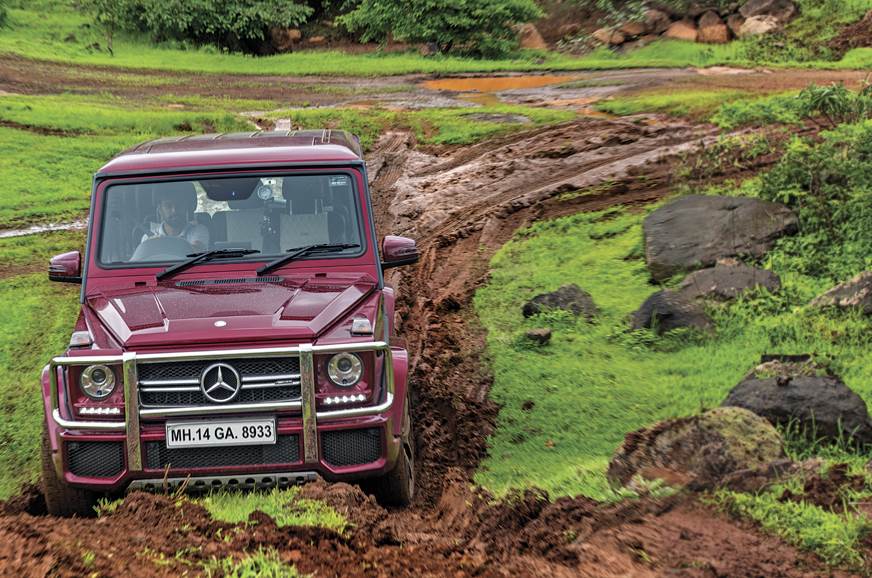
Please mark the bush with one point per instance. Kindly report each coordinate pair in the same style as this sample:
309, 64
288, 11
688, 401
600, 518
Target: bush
829, 184
236, 25
479, 27
2, 12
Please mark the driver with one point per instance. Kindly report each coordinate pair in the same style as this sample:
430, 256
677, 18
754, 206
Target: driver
173, 223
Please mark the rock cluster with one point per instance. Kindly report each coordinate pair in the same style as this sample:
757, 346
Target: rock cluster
571, 298
705, 22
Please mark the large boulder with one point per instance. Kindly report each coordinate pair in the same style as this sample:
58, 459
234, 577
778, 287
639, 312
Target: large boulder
758, 25
712, 29
734, 23
781, 10
667, 310
697, 451
854, 294
633, 29
656, 21
682, 30
609, 36
727, 280
695, 231
797, 393
570, 298
529, 37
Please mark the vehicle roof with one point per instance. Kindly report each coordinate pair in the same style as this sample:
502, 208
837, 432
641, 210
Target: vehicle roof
174, 154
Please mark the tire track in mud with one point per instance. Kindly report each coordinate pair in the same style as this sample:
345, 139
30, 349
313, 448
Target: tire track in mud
452, 530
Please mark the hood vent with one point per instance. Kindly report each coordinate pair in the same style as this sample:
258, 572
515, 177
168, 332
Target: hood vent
237, 281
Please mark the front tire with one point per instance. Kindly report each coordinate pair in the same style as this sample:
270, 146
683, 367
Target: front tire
397, 488
61, 499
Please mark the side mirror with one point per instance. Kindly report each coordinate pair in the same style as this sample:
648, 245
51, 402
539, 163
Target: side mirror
66, 267
397, 251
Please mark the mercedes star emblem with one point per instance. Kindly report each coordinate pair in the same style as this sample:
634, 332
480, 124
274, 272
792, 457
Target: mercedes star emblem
220, 383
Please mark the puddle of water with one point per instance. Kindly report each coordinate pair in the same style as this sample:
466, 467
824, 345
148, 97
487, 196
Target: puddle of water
37, 229
495, 83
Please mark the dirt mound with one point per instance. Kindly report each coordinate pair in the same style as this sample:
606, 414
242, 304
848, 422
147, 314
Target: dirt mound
829, 490
856, 35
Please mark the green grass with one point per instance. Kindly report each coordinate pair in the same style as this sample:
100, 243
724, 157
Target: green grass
595, 382
431, 126
54, 30
696, 103
838, 538
47, 177
284, 506
261, 564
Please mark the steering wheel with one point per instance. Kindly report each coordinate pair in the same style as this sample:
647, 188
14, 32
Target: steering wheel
162, 249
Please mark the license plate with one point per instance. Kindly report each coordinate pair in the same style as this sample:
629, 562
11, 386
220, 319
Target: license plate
240, 432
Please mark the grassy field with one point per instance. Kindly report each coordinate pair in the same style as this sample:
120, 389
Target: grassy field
54, 30
595, 382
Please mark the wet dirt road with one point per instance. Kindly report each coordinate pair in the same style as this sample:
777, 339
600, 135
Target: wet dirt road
461, 205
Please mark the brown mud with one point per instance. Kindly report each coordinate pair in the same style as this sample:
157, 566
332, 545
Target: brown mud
461, 205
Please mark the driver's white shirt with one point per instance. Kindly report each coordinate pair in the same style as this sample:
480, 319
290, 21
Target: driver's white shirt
193, 233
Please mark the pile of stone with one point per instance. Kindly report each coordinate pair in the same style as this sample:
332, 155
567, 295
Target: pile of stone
706, 22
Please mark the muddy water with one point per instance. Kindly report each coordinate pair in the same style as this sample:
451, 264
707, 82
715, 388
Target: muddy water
484, 89
79, 225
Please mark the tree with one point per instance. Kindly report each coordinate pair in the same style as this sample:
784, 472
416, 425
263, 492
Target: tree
481, 27
110, 15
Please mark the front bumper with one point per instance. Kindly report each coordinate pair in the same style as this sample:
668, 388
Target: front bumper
307, 434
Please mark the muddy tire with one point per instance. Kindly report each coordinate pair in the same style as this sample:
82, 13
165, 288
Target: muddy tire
61, 499
396, 489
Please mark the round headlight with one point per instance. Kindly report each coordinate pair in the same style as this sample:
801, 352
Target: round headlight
97, 381
345, 369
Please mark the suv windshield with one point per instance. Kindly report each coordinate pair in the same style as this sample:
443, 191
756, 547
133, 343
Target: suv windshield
167, 221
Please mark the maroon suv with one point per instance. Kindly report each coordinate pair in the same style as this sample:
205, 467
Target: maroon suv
235, 329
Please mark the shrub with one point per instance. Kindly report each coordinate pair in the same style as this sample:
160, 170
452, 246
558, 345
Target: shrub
479, 27
2, 12
829, 184
237, 25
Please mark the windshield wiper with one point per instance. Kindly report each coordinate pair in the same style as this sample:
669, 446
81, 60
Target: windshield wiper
298, 252
202, 258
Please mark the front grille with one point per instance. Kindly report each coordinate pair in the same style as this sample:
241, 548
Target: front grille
177, 384
158, 456
95, 459
351, 447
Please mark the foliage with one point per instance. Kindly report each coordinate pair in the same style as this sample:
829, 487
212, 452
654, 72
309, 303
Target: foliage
836, 537
836, 104
230, 24
283, 506
3, 12
110, 15
829, 184
593, 383
766, 110
479, 27
261, 564
695, 103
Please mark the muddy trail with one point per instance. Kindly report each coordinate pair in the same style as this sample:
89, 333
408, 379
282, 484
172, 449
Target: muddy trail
461, 205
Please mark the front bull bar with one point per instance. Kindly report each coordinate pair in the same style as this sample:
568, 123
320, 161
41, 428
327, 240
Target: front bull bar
133, 413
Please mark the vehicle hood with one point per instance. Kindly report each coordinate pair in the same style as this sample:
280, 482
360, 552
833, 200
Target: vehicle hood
229, 310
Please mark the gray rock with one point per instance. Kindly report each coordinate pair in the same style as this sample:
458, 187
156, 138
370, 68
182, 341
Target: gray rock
727, 280
758, 25
694, 231
801, 394
570, 298
667, 310
541, 335
856, 293
697, 451
781, 10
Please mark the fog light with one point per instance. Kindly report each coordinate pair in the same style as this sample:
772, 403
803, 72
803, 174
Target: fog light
344, 399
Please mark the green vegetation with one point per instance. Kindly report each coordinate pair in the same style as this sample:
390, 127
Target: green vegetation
54, 30
836, 537
595, 382
695, 103
261, 564
479, 27
47, 168
284, 506
431, 126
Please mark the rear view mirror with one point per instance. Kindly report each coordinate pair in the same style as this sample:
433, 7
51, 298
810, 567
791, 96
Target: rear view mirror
66, 267
398, 251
